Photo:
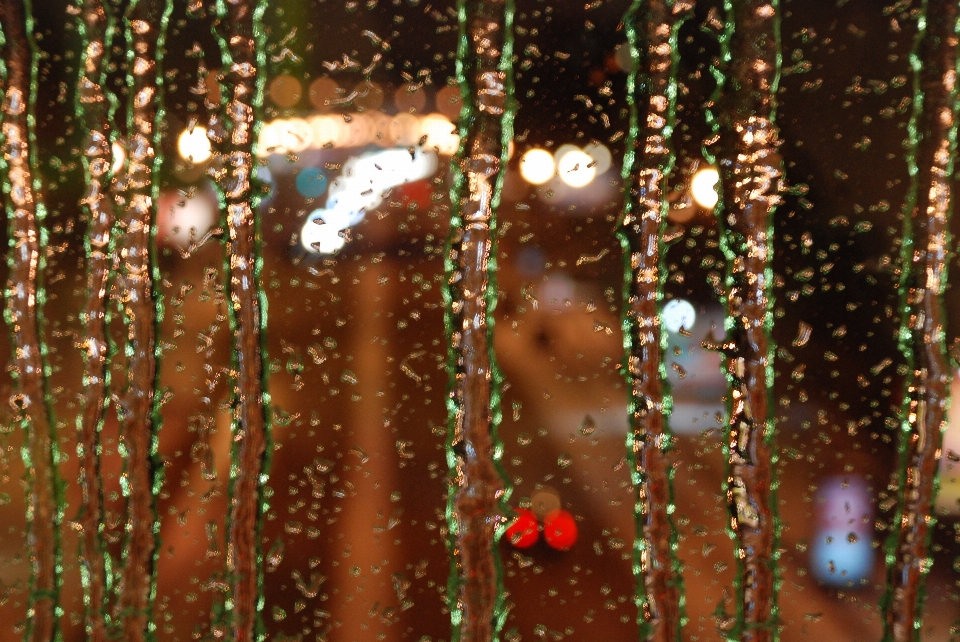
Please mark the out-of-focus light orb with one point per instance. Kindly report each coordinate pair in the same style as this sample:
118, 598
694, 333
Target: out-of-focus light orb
704, 187
449, 102
285, 91
841, 557
328, 131
194, 146
359, 130
563, 150
537, 166
379, 128
311, 182
321, 232
441, 134
183, 218
677, 314
271, 135
368, 95
602, 158
119, 157
296, 135
405, 130
212, 85
268, 186
323, 92
842, 547
576, 168
410, 98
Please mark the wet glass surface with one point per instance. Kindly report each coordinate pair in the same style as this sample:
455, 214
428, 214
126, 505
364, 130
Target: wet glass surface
351, 196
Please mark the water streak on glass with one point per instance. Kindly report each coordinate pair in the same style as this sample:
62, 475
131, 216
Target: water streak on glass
751, 169
145, 24
478, 487
651, 27
925, 252
94, 111
24, 296
244, 61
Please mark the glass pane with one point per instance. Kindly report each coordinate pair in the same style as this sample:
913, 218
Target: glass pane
358, 131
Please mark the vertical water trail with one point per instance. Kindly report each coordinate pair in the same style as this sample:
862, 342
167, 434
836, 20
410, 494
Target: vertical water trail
24, 297
244, 59
751, 170
651, 27
145, 24
94, 112
925, 252
478, 487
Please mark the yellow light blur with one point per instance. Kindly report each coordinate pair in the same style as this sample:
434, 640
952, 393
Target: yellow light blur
194, 146
602, 158
328, 131
270, 138
405, 130
704, 187
119, 157
359, 130
536, 166
296, 135
380, 128
441, 134
576, 168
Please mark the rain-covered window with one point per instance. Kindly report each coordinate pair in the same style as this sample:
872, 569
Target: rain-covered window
409, 320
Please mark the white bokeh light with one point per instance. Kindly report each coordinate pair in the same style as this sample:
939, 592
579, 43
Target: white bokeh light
441, 134
194, 146
296, 135
704, 187
602, 158
119, 157
361, 186
269, 141
184, 218
321, 231
537, 166
575, 167
677, 314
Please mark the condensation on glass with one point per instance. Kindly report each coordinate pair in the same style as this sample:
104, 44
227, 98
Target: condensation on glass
495, 320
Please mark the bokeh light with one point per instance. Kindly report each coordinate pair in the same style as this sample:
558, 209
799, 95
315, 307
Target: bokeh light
358, 130
270, 138
311, 182
185, 217
703, 186
441, 134
602, 158
410, 98
285, 91
368, 95
449, 102
296, 135
405, 130
328, 130
677, 314
537, 166
119, 157
322, 93
321, 231
575, 168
